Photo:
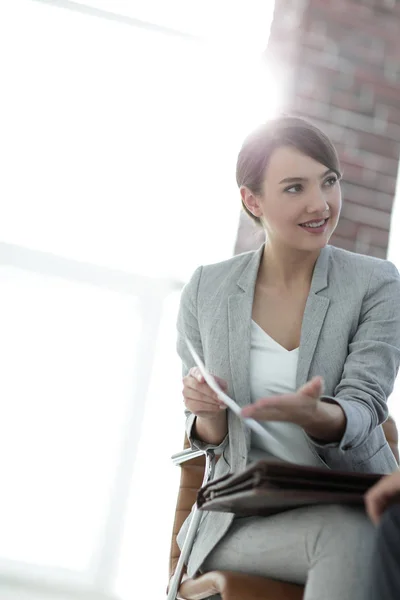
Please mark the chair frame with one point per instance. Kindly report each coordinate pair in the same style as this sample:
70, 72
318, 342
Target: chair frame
210, 456
178, 459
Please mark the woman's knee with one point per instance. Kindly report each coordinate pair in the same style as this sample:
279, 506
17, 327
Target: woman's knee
340, 515
345, 527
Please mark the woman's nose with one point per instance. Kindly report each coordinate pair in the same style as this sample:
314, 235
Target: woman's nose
317, 202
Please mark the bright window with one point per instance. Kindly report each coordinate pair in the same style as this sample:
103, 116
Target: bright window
118, 151
120, 143
68, 364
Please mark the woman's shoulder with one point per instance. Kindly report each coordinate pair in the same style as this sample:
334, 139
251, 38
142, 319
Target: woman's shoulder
234, 264
353, 260
358, 267
227, 271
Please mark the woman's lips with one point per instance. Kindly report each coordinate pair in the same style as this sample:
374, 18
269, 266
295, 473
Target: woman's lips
313, 229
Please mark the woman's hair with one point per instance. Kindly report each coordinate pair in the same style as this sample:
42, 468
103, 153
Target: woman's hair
258, 147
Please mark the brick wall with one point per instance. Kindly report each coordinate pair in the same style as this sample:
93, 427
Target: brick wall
339, 65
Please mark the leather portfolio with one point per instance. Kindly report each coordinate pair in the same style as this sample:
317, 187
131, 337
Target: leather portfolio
267, 487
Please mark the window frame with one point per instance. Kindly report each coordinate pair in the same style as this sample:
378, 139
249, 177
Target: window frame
151, 292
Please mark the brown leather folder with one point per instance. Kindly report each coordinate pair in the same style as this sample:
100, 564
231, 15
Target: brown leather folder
267, 487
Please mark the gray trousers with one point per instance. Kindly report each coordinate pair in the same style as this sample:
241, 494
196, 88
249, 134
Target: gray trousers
385, 573
327, 548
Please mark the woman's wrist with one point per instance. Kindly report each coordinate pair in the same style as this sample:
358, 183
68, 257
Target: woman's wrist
328, 423
211, 431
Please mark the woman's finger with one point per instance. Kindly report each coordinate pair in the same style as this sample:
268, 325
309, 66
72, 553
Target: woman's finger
192, 382
191, 394
265, 414
201, 389
222, 383
270, 408
195, 372
197, 405
313, 388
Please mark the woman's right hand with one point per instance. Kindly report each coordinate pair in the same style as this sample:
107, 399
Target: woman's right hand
199, 398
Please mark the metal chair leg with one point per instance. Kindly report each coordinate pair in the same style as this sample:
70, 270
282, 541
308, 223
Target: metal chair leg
195, 521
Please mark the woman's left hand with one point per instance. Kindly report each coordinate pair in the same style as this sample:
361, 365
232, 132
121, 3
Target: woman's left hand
321, 420
301, 407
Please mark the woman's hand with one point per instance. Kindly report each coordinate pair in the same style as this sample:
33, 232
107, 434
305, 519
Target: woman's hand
381, 495
199, 398
319, 419
301, 407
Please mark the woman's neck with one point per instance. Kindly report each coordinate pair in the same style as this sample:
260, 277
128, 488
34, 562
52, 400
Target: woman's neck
286, 268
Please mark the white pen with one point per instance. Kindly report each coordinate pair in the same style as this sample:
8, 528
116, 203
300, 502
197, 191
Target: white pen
230, 403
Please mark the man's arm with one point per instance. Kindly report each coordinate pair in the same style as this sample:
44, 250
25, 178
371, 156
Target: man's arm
381, 495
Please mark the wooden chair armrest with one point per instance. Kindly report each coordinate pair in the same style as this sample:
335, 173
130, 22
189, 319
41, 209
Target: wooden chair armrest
237, 586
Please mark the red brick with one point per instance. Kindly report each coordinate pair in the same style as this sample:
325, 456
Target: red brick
373, 162
380, 164
365, 196
386, 184
353, 173
367, 178
355, 17
341, 242
363, 75
249, 235
377, 252
377, 237
326, 76
348, 101
393, 113
361, 248
379, 144
366, 215
308, 88
346, 229
343, 61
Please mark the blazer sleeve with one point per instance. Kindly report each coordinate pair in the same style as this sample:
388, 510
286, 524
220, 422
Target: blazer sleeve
373, 360
188, 326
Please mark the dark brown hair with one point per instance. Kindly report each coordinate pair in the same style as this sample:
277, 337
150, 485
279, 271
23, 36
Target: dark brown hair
258, 147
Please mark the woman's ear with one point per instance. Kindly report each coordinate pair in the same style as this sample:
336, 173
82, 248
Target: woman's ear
251, 201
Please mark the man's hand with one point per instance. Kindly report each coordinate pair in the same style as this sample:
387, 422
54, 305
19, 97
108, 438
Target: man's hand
381, 495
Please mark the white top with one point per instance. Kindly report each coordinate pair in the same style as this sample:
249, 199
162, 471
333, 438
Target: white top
273, 371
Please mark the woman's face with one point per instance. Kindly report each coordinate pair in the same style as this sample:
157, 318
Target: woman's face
300, 201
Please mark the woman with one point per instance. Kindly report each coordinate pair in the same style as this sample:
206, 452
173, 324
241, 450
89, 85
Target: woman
306, 338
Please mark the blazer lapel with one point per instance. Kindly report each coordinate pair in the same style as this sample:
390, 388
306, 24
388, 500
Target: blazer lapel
314, 316
239, 315
240, 307
239, 323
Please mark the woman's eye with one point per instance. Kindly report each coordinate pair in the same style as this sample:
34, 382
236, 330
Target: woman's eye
294, 189
330, 181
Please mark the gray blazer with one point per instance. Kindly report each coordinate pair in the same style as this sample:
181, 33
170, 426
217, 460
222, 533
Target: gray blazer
350, 335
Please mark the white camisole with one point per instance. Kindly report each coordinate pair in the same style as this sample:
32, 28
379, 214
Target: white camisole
272, 372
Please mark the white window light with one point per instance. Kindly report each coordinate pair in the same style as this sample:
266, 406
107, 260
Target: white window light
118, 149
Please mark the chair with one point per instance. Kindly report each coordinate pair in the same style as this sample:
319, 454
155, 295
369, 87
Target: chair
197, 468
